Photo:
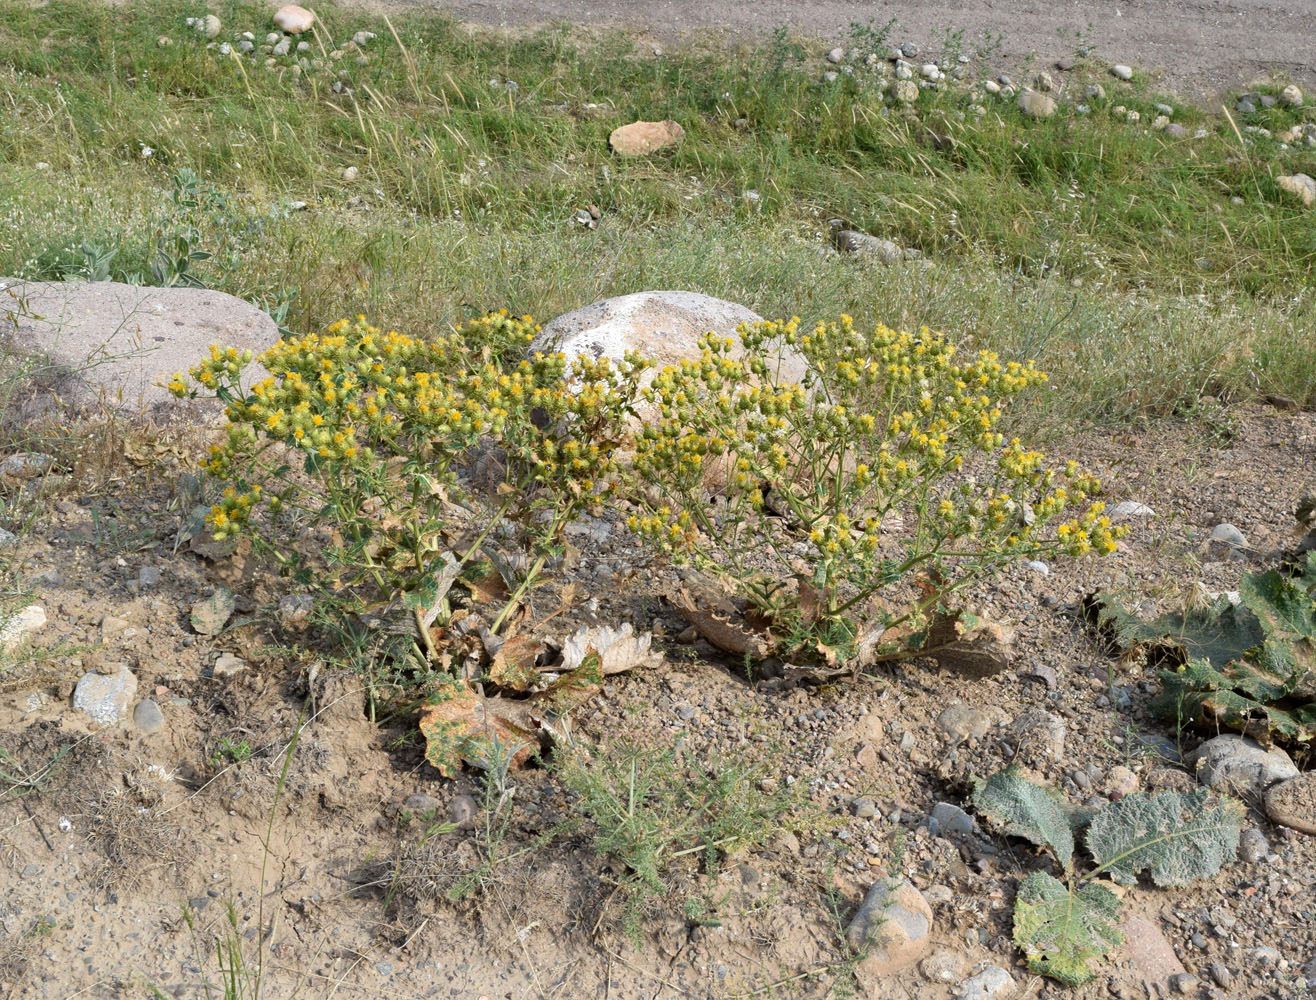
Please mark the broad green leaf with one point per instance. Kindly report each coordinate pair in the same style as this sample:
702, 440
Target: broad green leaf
1219, 634
1062, 931
1180, 837
1309, 563
1242, 696
1249, 667
1023, 809
211, 614
1287, 614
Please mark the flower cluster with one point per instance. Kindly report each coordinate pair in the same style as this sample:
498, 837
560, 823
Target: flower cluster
878, 429
375, 430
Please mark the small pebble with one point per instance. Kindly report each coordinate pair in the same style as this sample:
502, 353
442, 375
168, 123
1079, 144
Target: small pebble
1252, 847
863, 807
1185, 983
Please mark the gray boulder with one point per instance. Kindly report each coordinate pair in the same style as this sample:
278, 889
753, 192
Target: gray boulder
122, 343
1238, 765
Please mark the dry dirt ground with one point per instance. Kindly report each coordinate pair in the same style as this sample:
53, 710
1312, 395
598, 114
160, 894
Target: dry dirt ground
1202, 46
135, 863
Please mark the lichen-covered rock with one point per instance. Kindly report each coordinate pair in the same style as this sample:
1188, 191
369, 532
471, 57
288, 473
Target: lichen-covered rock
105, 698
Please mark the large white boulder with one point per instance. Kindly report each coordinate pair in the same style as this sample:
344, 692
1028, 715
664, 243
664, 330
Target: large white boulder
121, 343
663, 326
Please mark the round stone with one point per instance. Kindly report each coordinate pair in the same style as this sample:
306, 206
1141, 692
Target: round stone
294, 19
1237, 765
1292, 803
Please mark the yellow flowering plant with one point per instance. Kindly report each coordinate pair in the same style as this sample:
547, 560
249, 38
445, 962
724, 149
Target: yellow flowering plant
813, 501
412, 451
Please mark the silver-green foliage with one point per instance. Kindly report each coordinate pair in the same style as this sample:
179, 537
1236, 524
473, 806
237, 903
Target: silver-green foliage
1021, 808
1063, 928
1179, 837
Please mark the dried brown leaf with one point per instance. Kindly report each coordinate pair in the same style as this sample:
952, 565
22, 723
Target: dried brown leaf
514, 665
719, 630
969, 646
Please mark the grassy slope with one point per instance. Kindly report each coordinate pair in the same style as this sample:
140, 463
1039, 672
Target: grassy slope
1111, 253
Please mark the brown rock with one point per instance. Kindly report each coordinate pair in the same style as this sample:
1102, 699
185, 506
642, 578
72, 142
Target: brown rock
639, 138
1300, 185
1292, 803
1149, 955
1121, 782
1036, 105
294, 19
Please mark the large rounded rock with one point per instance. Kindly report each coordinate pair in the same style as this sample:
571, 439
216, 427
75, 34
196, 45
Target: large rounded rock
1301, 186
640, 138
1237, 765
1292, 803
1036, 105
663, 326
893, 929
294, 19
122, 343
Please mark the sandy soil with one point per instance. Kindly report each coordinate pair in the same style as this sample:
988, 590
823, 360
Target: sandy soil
133, 854
1203, 47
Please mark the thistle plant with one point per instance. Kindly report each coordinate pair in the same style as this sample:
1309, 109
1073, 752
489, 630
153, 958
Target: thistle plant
1065, 927
887, 461
372, 435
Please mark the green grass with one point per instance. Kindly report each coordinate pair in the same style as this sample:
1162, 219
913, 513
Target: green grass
1113, 255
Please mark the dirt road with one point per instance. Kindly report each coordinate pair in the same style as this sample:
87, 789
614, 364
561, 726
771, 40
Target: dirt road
1202, 46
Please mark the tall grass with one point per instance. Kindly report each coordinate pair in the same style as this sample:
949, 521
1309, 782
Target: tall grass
1112, 253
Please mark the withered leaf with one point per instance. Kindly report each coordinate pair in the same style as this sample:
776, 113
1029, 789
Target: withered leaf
961, 642
513, 665
459, 724
719, 630
618, 649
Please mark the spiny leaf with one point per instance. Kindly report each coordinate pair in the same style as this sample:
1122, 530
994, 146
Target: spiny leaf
1180, 837
1287, 614
1221, 633
1023, 809
1061, 931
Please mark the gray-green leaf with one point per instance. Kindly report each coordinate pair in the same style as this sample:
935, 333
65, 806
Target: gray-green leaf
1023, 809
1180, 837
211, 614
1062, 931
